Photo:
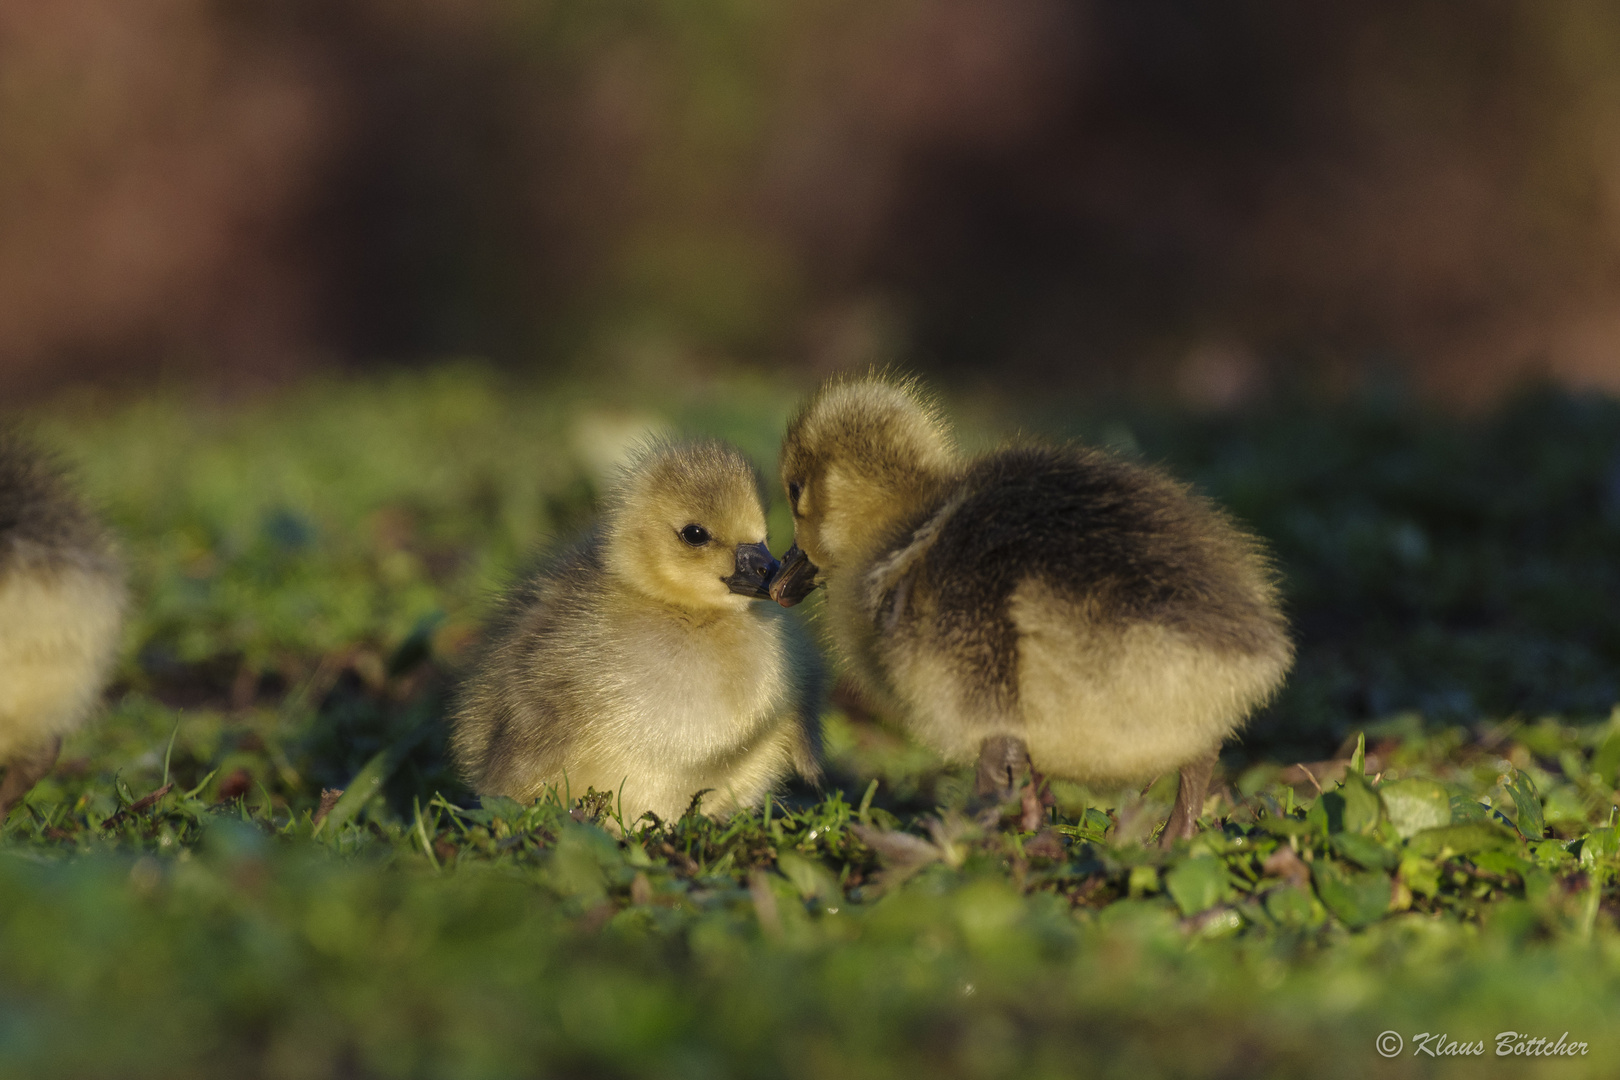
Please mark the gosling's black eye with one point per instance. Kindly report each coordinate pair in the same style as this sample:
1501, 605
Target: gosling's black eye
696, 535
793, 493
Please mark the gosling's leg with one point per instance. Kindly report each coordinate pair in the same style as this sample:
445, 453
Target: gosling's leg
24, 771
1195, 776
1003, 761
1006, 773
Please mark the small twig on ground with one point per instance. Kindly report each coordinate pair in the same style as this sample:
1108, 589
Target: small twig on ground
1047, 844
329, 798
1309, 776
144, 802
1284, 863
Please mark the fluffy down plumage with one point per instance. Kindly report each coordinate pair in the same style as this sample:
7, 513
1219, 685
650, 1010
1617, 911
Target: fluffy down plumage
61, 611
641, 663
1090, 611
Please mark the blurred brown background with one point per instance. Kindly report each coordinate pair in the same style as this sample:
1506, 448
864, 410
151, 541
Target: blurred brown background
1151, 194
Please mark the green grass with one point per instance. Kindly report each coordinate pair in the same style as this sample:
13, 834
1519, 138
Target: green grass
311, 571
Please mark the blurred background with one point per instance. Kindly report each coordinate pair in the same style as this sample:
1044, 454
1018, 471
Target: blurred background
1194, 201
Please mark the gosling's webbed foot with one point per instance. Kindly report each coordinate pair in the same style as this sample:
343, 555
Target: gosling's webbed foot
1195, 776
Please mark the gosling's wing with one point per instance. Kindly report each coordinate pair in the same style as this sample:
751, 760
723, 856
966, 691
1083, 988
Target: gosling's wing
516, 715
1122, 541
1094, 541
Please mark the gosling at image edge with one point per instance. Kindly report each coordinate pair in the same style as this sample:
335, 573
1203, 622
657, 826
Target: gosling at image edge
62, 604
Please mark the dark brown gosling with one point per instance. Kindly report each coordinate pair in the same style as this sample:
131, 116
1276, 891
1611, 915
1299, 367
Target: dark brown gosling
1038, 606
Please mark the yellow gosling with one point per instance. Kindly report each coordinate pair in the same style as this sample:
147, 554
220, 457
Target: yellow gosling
61, 612
642, 663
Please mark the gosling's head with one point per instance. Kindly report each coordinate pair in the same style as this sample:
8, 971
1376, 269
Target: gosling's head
861, 454
685, 525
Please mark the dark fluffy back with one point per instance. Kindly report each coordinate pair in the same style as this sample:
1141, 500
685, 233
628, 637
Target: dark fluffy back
487, 718
1126, 540
42, 521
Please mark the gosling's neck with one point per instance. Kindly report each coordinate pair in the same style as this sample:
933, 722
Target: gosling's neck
869, 521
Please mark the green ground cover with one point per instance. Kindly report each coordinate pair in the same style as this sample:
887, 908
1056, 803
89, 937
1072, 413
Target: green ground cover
310, 573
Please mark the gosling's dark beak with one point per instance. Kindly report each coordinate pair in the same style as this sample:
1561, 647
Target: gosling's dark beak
755, 566
795, 580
